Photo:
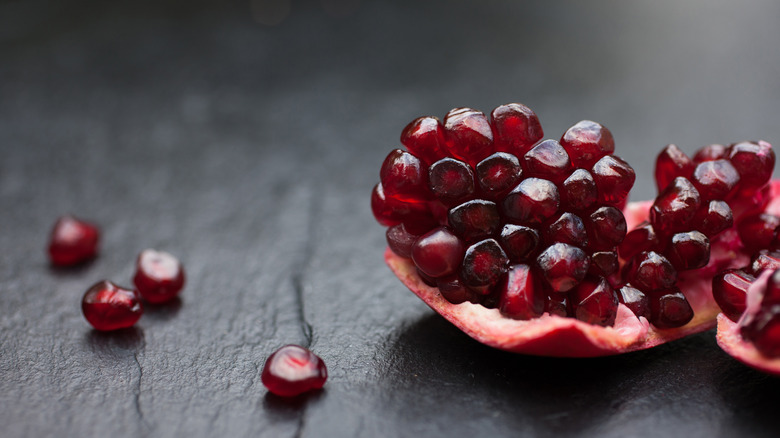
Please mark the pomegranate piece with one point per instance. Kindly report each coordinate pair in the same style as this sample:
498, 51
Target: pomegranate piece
468, 135
713, 218
758, 231
424, 138
604, 263
579, 191
635, 300
671, 163
614, 179
548, 160
669, 308
711, 152
521, 293
453, 290
729, 289
400, 241
293, 370
438, 253
642, 238
497, 174
519, 242
675, 207
762, 261
606, 228
389, 212
72, 241
516, 128
595, 302
566, 228
650, 271
483, 265
107, 306
754, 162
451, 181
475, 220
404, 177
533, 201
715, 179
587, 142
689, 250
564, 266
159, 276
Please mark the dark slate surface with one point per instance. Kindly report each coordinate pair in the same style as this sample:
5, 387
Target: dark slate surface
246, 137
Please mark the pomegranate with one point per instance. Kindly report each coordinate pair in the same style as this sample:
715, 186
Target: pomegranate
293, 370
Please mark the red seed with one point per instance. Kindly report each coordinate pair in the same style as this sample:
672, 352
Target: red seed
675, 207
400, 241
754, 161
671, 163
293, 370
762, 261
614, 179
595, 302
498, 174
519, 242
72, 241
641, 238
587, 142
557, 304
713, 218
579, 191
516, 128
604, 263
107, 306
547, 160
758, 231
438, 253
522, 296
533, 201
424, 138
159, 276
729, 289
451, 181
453, 290
404, 177
483, 265
764, 331
389, 212
635, 300
475, 220
468, 135
715, 179
565, 228
563, 266
606, 228
650, 271
711, 152
669, 308
689, 250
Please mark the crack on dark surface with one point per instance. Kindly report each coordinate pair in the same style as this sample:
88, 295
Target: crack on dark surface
137, 393
300, 270
300, 426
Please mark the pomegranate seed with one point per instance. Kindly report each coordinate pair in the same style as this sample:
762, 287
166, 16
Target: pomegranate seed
547, 160
107, 306
453, 290
710, 153
606, 228
427, 279
650, 271
771, 295
595, 302
579, 190
521, 292
748, 201
468, 135
764, 331
758, 231
389, 211
516, 128
497, 174
159, 277
475, 220
565, 228
689, 250
614, 179
713, 218
762, 261
557, 304
438, 253
715, 179
451, 181
484, 264
533, 201
671, 163
754, 161
669, 308
563, 265
635, 300
519, 242
604, 263
72, 241
641, 238
675, 207
293, 370
424, 138
729, 288
587, 142
404, 177
400, 241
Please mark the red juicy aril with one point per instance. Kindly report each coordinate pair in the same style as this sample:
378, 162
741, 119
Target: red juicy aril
293, 370
72, 241
109, 307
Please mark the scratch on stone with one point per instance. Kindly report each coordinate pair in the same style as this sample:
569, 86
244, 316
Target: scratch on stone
137, 395
301, 267
301, 425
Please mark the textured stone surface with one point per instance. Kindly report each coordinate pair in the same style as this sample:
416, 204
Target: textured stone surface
249, 151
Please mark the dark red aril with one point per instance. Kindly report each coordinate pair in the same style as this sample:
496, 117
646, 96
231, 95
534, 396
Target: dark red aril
563, 266
711, 152
107, 306
565, 228
475, 220
498, 174
159, 276
454, 291
451, 181
675, 207
547, 160
729, 289
763, 331
713, 218
424, 138
669, 308
650, 271
390, 211
579, 191
293, 370
595, 302
468, 135
614, 179
522, 296
758, 231
516, 128
519, 242
400, 240
587, 142
606, 228
689, 250
427, 279
771, 295
715, 179
72, 241
764, 260
438, 253
754, 162
671, 163
604, 263
533, 201
404, 177
483, 265
635, 300
557, 304
641, 238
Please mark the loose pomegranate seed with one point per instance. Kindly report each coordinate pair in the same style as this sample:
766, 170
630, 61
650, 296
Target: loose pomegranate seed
547, 160
533, 201
400, 241
557, 304
519, 242
762, 261
404, 177
389, 211
635, 300
468, 135
563, 265
72, 241
729, 288
754, 161
758, 231
475, 220
438, 253
715, 179
579, 191
565, 228
521, 292
675, 207
671, 163
604, 263
293, 370
159, 277
595, 302
650, 271
669, 308
713, 217
641, 238
109, 307
606, 228
614, 179
516, 128
453, 290
497, 174
484, 264
587, 142
710, 153
689, 250
451, 181
424, 138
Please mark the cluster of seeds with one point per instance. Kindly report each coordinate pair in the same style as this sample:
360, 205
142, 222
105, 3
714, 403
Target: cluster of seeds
492, 214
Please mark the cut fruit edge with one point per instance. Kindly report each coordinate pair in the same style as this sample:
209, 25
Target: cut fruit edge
556, 336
